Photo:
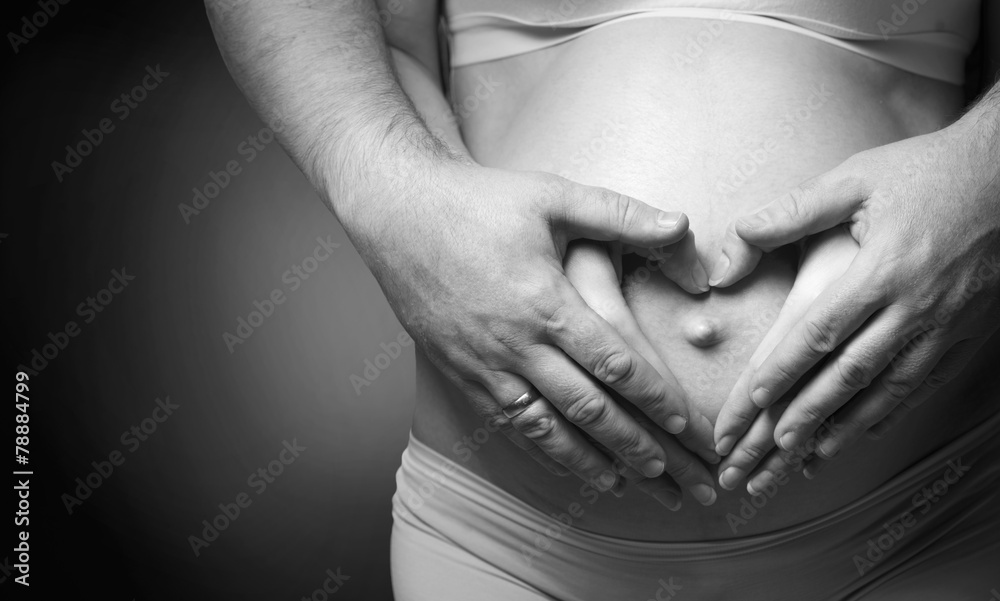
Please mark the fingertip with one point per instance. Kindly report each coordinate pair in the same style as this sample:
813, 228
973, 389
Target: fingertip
730, 477
725, 445
719, 270
673, 221
704, 493
700, 277
761, 397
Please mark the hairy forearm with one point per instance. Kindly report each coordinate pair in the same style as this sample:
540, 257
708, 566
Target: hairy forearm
324, 69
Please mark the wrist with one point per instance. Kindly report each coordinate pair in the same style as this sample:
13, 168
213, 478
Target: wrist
371, 176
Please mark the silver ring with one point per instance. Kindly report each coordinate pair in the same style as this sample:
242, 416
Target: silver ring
522, 403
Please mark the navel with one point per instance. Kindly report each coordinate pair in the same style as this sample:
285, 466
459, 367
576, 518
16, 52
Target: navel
703, 332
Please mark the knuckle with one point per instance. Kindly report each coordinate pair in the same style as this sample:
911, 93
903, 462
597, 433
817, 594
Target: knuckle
587, 411
752, 452
626, 211
895, 389
557, 321
782, 374
852, 375
811, 415
794, 207
537, 427
818, 336
613, 366
937, 380
630, 442
680, 470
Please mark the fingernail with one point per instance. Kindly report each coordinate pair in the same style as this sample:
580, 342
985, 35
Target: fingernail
700, 277
668, 500
704, 493
759, 482
725, 445
652, 468
760, 397
879, 430
828, 448
720, 270
618, 489
812, 469
787, 441
730, 477
668, 220
607, 480
675, 424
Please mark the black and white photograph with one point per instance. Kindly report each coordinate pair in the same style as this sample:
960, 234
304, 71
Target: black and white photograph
502, 300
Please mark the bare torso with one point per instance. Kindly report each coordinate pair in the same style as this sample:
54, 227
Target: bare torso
757, 112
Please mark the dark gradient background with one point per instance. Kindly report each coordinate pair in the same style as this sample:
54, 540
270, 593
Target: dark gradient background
162, 336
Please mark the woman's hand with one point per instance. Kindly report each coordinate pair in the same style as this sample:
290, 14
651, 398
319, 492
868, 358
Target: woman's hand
916, 303
825, 258
471, 260
596, 275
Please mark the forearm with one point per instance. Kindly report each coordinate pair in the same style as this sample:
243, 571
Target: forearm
324, 69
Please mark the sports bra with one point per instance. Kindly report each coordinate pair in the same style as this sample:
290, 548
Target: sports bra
927, 37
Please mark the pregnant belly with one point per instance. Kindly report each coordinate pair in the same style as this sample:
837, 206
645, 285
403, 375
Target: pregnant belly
628, 107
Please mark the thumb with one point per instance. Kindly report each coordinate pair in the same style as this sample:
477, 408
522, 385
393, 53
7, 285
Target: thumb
816, 205
602, 214
736, 260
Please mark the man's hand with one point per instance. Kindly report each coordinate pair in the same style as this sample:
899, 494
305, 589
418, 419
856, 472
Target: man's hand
471, 260
916, 303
